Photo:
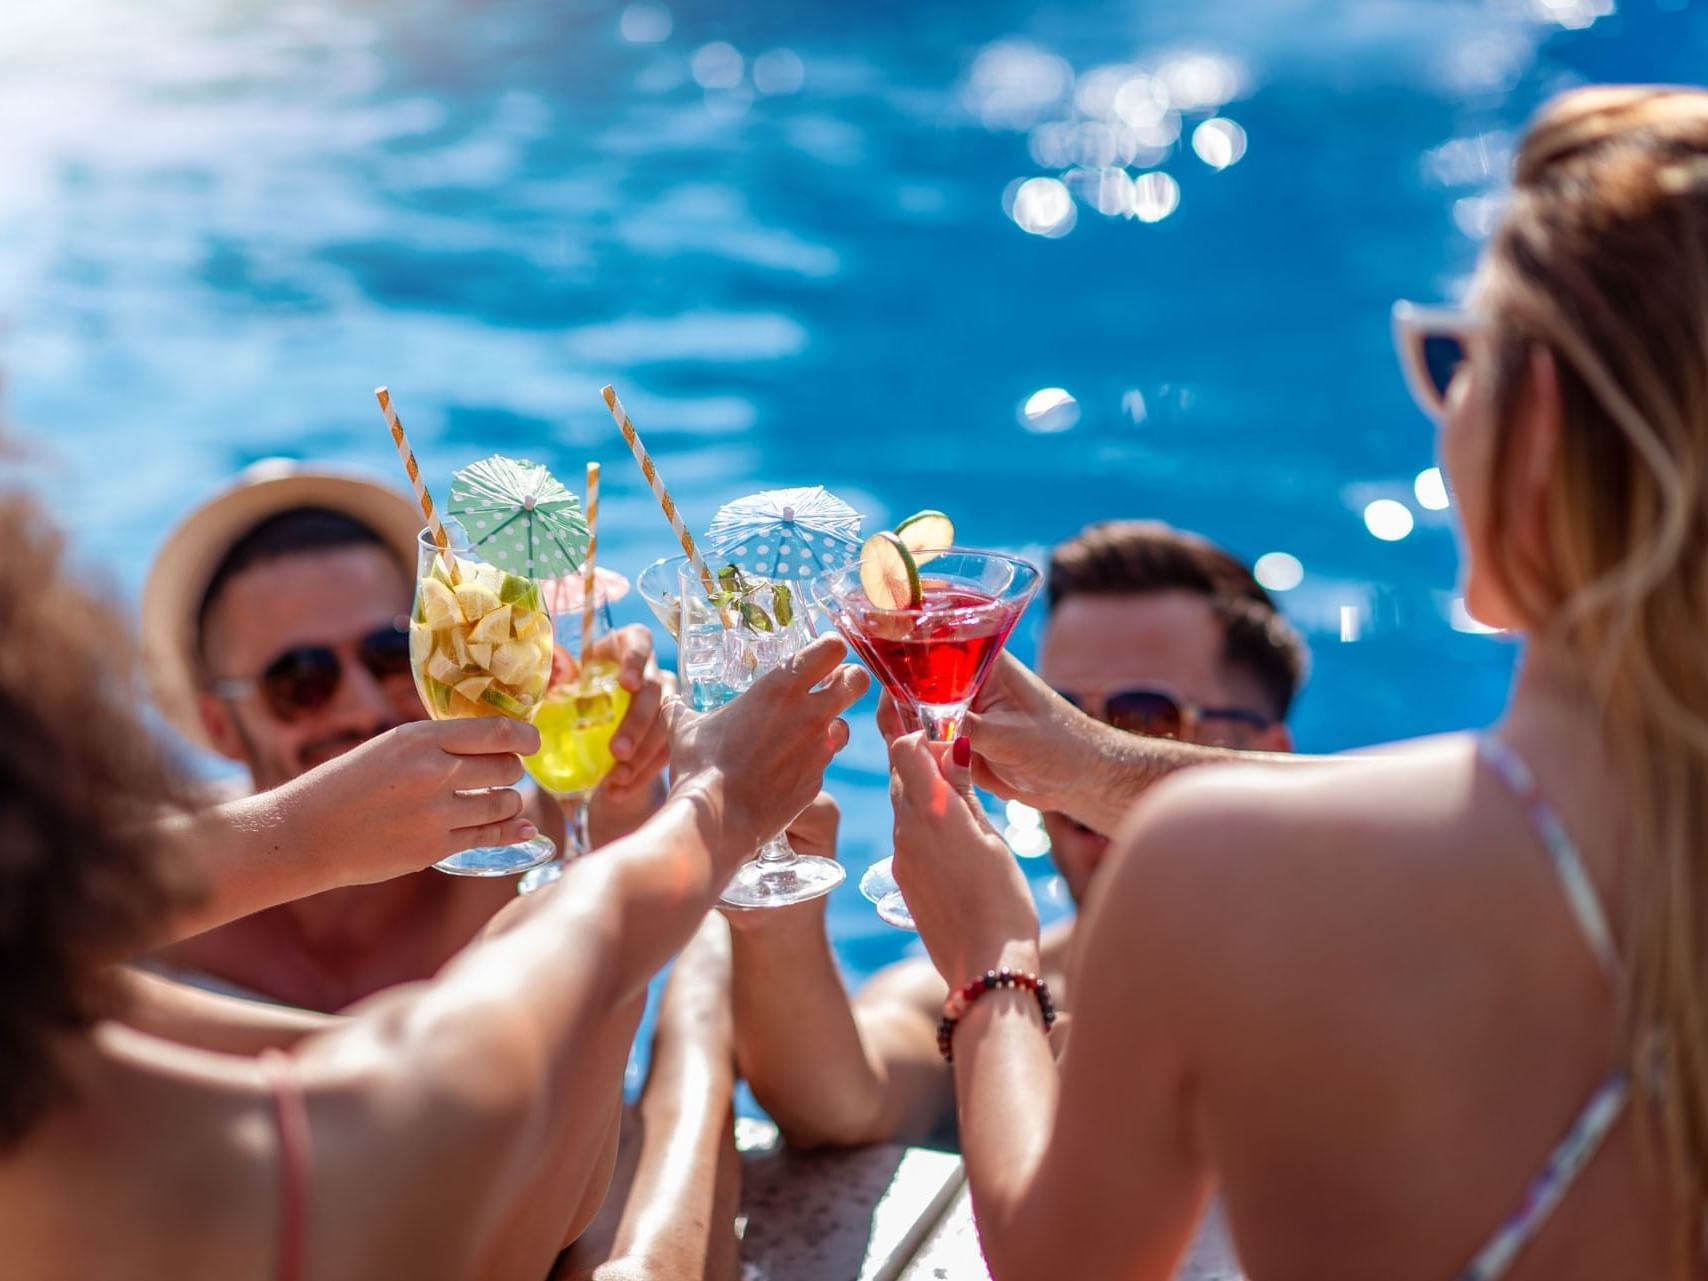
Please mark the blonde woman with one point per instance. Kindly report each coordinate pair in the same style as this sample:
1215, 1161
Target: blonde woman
1441, 1014
459, 1128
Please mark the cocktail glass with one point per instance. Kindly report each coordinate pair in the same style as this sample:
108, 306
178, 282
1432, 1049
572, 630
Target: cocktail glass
577, 720
716, 664
933, 658
480, 644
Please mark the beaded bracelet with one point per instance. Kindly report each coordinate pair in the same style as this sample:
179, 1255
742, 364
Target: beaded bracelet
956, 1006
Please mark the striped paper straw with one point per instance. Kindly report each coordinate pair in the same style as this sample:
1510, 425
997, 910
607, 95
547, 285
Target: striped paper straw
434, 525
587, 566
663, 495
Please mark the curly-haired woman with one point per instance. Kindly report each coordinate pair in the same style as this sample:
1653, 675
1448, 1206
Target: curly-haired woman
459, 1128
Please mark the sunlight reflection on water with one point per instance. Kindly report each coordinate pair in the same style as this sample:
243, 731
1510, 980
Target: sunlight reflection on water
1031, 266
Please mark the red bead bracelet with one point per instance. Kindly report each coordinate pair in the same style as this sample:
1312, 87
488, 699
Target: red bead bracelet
957, 1004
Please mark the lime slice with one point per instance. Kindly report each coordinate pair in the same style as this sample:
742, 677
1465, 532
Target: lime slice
926, 534
888, 573
496, 697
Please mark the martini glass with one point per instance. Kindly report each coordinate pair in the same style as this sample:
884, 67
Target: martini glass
715, 665
931, 658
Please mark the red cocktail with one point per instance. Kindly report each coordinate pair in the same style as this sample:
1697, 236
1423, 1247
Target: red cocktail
935, 656
932, 656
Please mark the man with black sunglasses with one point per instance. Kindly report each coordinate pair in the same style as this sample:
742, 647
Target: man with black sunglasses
1151, 630
274, 622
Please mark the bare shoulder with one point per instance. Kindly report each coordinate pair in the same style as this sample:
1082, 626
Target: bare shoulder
1264, 820
1279, 868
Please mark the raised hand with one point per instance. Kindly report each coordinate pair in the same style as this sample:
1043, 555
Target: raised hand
407, 799
962, 884
814, 829
1029, 743
641, 743
759, 761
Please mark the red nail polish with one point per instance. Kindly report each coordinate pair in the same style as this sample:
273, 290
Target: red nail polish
963, 751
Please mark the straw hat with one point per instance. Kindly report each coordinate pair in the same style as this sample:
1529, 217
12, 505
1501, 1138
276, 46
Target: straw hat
181, 570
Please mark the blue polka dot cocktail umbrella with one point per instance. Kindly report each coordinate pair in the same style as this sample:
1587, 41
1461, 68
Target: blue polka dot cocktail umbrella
519, 517
785, 534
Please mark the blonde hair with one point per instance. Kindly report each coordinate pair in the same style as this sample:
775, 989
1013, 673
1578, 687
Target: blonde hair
1602, 259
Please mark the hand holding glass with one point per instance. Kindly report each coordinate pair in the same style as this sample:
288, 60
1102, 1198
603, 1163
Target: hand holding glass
480, 644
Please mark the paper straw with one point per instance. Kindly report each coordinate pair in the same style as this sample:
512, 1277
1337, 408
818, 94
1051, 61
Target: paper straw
434, 525
650, 471
587, 587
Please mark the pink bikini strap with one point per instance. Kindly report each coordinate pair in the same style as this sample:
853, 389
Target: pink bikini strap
290, 1116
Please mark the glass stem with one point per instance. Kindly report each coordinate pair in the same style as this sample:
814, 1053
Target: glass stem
943, 724
776, 850
577, 824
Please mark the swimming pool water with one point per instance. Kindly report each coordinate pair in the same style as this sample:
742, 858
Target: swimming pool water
1031, 263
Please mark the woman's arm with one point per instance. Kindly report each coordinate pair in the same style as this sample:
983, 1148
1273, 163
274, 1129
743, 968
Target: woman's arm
392, 806
477, 1081
1033, 746
178, 1012
1102, 1153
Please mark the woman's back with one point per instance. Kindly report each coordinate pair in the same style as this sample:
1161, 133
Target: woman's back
175, 1175
1396, 1017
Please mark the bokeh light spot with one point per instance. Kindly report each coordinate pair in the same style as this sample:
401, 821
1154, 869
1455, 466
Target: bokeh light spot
1388, 519
717, 65
644, 23
1044, 207
1278, 571
1155, 196
1048, 410
779, 71
1219, 142
1431, 490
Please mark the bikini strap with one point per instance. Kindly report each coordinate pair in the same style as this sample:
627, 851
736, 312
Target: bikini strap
290, 1117
1563, 855
1549, 1188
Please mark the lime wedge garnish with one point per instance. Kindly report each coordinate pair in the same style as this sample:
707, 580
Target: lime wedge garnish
925, 534
888, 573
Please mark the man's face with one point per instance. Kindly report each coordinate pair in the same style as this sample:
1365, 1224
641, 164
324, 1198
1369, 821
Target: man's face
331, 598
1095, 646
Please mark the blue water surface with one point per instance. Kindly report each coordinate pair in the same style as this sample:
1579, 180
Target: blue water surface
1000, 258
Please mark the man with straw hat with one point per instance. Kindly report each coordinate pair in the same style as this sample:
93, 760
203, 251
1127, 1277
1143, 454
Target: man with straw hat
315, 566
271, 631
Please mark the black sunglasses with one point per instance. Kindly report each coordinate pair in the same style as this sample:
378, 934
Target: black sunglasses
1160, 714
303, 680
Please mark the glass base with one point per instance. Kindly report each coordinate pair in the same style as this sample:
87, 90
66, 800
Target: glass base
893, 910
780, 883
880, 888
540, 877
499, 860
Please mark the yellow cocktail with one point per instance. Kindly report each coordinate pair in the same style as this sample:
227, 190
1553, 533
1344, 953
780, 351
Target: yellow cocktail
576, 721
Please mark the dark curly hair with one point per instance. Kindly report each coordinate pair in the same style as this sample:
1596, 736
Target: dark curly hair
82, 784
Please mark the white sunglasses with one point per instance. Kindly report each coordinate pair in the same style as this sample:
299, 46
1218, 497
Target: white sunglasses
1431, 346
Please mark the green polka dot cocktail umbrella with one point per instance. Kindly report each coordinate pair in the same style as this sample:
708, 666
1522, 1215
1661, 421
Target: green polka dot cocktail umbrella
519, 517
785, 534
